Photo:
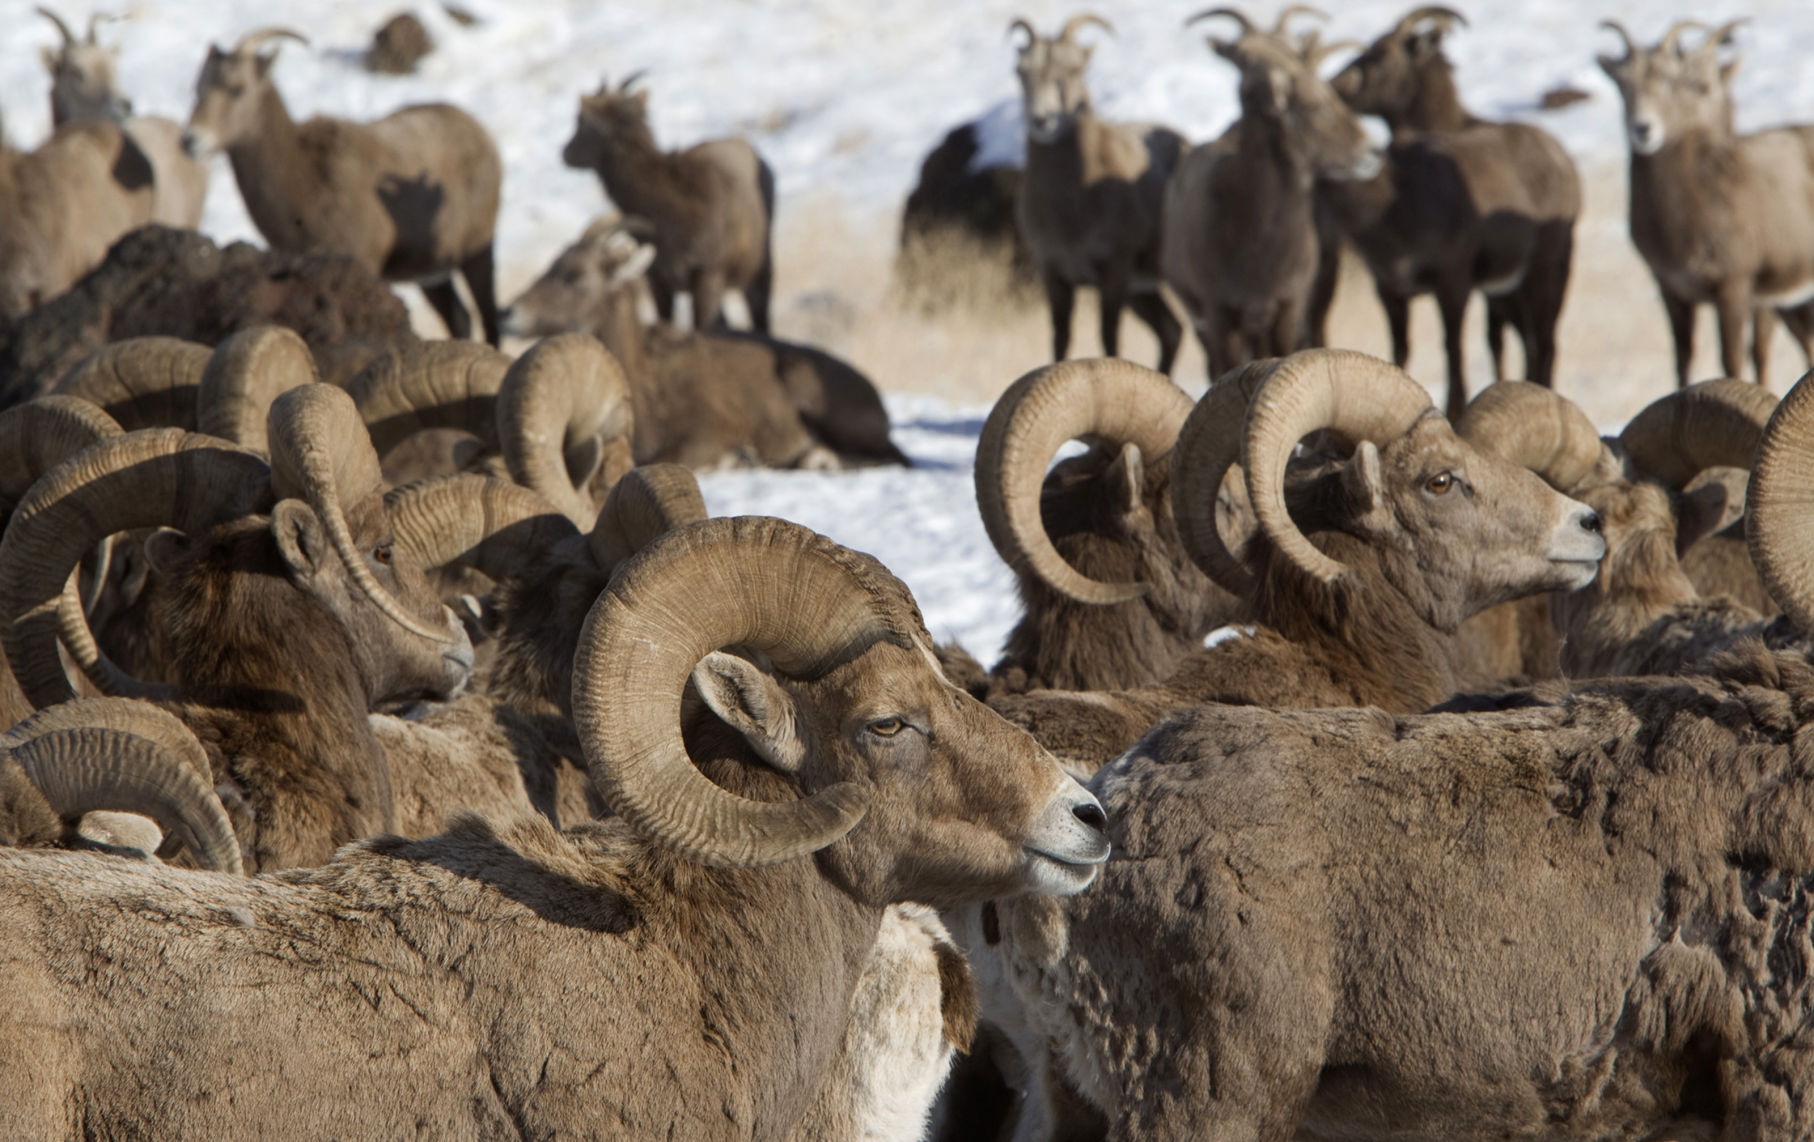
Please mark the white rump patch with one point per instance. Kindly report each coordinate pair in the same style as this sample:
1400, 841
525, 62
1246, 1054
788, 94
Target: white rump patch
1228, 633
1789, 298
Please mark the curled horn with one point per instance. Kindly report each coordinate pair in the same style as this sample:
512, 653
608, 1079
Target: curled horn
430, 384
624, 87
1316, 52
321, 453
1444, 16
558, 402
244, 376
1671, 43
1279, 26
151, 478
94, 22
1715, 424
1106, 401
1536, 428
40, 434
116, 754
1082, 20
1208, 446
497, 528
69, 39
1722, 35
1247, 26
142, 382
1355, 396
1619, 29
1779, 506
768, 586
645, 505
1020, 24
256, 39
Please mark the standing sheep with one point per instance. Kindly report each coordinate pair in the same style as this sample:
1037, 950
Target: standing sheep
412, 196
1089, 205
1717, 216
712, 205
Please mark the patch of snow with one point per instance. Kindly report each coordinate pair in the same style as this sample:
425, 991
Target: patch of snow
1001, 137
1229, 633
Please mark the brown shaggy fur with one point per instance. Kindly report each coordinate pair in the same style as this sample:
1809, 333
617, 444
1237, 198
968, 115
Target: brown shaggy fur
1583, 919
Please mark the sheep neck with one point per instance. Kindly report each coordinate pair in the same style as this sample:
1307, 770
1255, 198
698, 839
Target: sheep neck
1436, 106
275, 177
1077, 157
1682, 197
640, 177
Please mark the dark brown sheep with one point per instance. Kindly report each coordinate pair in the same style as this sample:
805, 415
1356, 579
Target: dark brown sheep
712, 205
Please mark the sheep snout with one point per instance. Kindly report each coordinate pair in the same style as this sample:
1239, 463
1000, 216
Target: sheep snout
1579, 540
1067, 842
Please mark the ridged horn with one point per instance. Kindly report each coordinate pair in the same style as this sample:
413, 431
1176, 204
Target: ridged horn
631, 78
1081, 21
256, 39
645, 505
69, 38
1280, 26
1536, 428
1671, 43
78, 639
1209, 445
558, 402
1107, 401
493, 526
1429, 12
244, 375
116, 754
1247, 26
1350, 394
142, 382
767, 585
1618, 29
1717, 37
430, 384
151, 478
1779, 505
320, 453
40, 434
1715, 424
1021, 24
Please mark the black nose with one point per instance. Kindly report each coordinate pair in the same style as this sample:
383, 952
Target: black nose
1092, 815
1591, 522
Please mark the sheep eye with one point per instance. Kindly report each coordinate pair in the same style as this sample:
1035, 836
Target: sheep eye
1439, 484
887, 727
382, 554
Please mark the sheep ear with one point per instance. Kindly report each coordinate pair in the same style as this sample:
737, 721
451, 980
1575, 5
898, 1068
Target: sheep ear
641, 99
302, 541
753, 704
1425, 44
1700, 512
165, 548
1126, 479
50, 59
634, 266
1730, 68
1611, 65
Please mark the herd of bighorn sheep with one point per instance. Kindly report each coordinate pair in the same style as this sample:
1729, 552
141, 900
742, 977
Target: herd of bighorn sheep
393, 745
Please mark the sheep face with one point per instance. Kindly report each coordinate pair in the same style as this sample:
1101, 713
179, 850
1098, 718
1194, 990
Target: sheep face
963, 807
1668, 94
607, 120
228, 93
1384, 80
82, 84
576, 291
1052, 86
1458, 529
1320, 131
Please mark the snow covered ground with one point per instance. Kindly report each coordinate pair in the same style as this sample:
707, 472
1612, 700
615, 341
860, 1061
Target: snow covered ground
844, 99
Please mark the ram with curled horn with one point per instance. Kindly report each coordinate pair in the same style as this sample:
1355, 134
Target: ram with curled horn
1088, 207
1463, 204
1717, 216
850, 749
412, 196
1357, 572
1614, 868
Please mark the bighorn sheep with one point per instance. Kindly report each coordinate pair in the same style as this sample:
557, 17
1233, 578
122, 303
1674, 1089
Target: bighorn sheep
592, 287
62, 206
1717, 216
412, 196
1463, 204
1112, 599
1241, 243
1089, 206
855, 748
712, 205
82, 88
295, 554
1415, 532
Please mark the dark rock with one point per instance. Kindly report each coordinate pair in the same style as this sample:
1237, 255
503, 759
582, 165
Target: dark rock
399, 45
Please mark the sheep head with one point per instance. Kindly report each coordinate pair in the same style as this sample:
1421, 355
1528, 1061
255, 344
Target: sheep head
578, 292
1387, 78
609, 118
82, 83
909, 787
1281, 88
1670, 90
229, 92
1051, 70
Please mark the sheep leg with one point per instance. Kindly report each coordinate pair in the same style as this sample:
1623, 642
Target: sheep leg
1061, 299
707, 288
757, 293
1497, 316
1763, 329
1733, 303
1149, 306
1545, 284
1322, 287
1681, 328
1452, 300
446, 300
1398, 321
1287, 332
1111, 299
481, 280
663, 294
1800, 321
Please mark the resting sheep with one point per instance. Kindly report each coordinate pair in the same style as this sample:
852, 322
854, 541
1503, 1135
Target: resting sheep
558, 972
